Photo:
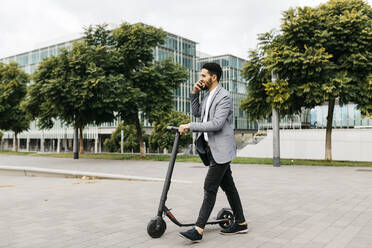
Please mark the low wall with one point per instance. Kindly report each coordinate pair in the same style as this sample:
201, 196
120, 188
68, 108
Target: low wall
347, 144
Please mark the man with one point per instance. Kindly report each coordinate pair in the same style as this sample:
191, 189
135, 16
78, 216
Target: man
216, 146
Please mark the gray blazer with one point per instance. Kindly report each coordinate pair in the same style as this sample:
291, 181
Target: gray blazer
219, 126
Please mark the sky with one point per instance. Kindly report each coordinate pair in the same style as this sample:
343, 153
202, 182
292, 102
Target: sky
218, 26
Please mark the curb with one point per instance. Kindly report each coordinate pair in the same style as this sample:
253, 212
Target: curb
46, 172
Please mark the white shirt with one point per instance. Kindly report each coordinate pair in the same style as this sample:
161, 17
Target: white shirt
205, 118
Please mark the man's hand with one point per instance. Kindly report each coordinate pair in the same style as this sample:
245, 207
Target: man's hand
184, 128
197, 88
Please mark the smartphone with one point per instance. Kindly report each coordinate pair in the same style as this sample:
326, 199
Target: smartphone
202, 87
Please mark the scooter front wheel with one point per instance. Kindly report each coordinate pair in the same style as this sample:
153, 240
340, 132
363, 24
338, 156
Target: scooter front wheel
226, 213
156, 227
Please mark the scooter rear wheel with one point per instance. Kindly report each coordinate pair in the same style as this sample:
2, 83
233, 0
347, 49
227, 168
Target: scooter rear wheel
155, 230
226, 213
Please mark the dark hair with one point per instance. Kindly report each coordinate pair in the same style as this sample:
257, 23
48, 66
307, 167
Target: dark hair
213, 69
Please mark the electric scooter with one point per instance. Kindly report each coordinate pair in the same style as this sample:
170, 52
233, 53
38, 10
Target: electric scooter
157, 226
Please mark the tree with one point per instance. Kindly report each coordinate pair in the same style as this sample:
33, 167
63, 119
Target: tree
113, 144
108, 73
13, 88
260, 99
321, 54
155, 86
162, 138
365, 100
148, 86
262, 94
78, 87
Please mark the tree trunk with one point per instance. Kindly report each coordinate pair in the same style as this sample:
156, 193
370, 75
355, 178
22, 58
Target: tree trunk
328, 144
81, 141
15, 141
139, 135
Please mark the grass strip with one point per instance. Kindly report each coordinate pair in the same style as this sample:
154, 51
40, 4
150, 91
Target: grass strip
196, 159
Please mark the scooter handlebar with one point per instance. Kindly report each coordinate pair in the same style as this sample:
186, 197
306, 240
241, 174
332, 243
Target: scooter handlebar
172, 128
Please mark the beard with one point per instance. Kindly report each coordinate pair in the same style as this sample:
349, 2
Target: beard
208, 83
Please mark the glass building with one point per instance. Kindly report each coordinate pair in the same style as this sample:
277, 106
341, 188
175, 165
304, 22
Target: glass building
182, 51
345, 116
232, 81
59, 138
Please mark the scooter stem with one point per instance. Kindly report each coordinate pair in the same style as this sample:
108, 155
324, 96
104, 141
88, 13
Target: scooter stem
168, 177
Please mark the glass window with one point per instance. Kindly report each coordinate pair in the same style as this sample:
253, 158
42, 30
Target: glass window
52, 51
60, 46
32, 69
350, 114
240, 64
242, 89
216, 61
240, 78
225, 62
35, 57
235, 75
344, 116
44, 53
233, 62
22, 60
234, 87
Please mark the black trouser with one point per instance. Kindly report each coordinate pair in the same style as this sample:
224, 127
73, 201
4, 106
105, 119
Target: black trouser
219, 175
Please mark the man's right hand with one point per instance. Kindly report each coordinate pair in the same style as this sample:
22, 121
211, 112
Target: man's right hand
197, 88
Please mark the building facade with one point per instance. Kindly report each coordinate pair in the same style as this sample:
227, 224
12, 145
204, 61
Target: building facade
59, 138
344, 116
182, 51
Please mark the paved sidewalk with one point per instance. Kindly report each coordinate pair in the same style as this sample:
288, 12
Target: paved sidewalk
285, 207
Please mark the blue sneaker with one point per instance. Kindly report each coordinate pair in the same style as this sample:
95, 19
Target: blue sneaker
235, 229
191, 235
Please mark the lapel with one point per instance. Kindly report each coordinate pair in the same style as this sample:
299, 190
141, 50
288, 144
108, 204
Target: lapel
218, 88
204, 103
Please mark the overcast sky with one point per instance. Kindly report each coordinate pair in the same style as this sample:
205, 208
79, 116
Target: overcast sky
219, 26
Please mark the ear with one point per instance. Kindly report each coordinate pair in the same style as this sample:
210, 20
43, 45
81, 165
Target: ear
214, 77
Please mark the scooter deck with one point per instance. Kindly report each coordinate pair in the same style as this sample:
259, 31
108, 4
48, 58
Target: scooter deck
175, 221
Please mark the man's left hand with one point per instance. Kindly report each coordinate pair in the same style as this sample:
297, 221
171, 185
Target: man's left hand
184, 128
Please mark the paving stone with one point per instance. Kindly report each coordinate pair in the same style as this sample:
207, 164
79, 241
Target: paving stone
290, 206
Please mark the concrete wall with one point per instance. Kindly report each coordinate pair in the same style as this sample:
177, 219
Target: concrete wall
347, 144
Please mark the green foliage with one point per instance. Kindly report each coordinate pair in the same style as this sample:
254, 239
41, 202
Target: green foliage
13, 87
254, 71
162, 138
365, 99
146, 86
321, 53
324, 53
149, 85
79, 87
108, 72
113, 144
1, 136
